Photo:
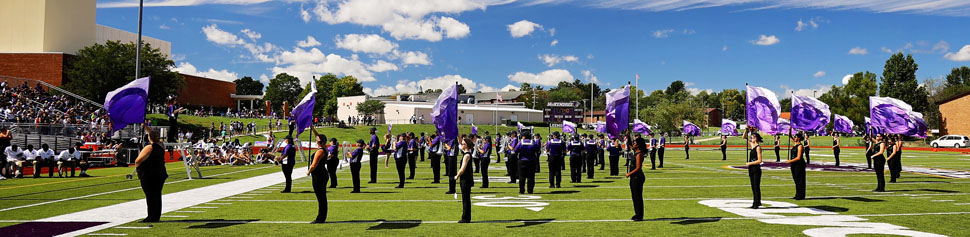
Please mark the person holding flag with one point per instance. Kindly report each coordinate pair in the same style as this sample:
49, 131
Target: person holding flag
723, 147
467, 180
797, 164
836, 144
319, 174
879, 158
444, 115
690, 130
637, 179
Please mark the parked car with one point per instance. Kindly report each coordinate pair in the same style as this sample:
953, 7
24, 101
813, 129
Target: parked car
955, 141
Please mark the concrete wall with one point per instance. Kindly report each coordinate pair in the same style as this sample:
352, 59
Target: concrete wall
347, 106
34, 26
105, 33
46, 67
955, 117
208, 92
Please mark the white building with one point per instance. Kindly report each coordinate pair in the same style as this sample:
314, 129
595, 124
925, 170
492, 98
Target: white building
401, 112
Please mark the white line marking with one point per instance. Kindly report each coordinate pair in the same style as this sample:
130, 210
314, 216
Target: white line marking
132, 227
198, 207
108, 234
174, 216
191, 211
941, 200
219, 203
961, 204
239, 197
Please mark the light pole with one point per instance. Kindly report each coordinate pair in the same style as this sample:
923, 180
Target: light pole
138, 48
584, 108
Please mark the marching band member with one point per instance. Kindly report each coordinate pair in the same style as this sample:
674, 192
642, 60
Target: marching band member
289, 160
653, 152
332, 160
554, 149
575, 160
590, 157
355, 158
661, 148
451, 154
484, 153
412, 153
511, 157
373, 149
434, 155
526, 149
615, 151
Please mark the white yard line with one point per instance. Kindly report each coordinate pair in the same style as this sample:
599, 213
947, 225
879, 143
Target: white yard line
620, 199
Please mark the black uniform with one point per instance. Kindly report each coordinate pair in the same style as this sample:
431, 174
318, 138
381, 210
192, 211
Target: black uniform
400, 161
808, 155
660, 150
332, 164
375, 146
724, 151
467, 181
512, 160
687, 149
290, 152
152, 175
576, 161
636, 191
451, 163
880, 165
485, 158
895, 165
556, 148
434, 156
798, 173
412, 157
653, 153
869, 152
754, 174
355, 158
777, 151
601, 152
835, 151
320, 177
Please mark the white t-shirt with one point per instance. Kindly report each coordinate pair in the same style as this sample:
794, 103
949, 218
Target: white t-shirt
13, 155
30, 154
65, 155
45, 154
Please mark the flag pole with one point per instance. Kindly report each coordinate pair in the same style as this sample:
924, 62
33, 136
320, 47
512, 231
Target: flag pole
747, 127
638, 95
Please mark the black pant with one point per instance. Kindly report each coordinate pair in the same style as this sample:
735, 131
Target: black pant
576, 168
355, 172
320, 190
614, 165
484, 168
421, 153
869, 159
475, 164
602, 159
880, 169
332, 171
636, 191
895, 167
653, 159
466, 197
51, 165
777, 154
798, 175
754, 174
152, 186
808, 156
590, 164
400, 163
72, 164
373, 165
723, 152
451, 170
836, 151
687, 151
527, 176
287, 174
660, 154
555, 175
412, 163
435, 166
512, 166
538, 154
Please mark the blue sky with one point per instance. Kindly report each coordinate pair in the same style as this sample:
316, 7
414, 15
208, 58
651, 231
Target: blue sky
403, 45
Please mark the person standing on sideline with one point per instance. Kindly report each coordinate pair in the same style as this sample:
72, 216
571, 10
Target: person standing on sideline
615, 152
661, 148
576, 160
653, 152
512, 158
808, 148
687, 146
373, 149
590, 156
467, 181
412, 155
484, 153
797, 164
878, 157
289, 160
150, 166
601, 151
422, 145
527, 162
777, 148
895, 164
869, 151
636, 179
554, 151
434, 156
836, 143
723, 147
754, 165
355, 157
451, 154
319, 174
400, 159
332, 158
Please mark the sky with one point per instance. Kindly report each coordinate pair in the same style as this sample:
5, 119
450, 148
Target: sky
402, 46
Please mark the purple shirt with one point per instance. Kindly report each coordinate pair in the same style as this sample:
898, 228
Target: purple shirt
356, 155
374, 143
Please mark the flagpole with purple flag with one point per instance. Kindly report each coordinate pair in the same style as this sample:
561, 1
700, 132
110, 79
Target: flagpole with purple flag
126, 105
303, 114
568, 127
808, 113
444, 114
617, 111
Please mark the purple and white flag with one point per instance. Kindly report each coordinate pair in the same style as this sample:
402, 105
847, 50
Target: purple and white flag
601, 127
126, 105
519, 126
691, 129
303, 112
809, 114
729, 127
891, 115
568, 127
842, 124
640, 127
444, 114
781, 128
919, 127
388, 128
617, 111
474, 130
763, 109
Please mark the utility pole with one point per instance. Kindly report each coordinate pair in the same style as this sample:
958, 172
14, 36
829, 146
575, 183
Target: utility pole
141, 5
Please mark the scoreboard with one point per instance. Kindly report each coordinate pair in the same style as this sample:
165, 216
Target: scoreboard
556, 112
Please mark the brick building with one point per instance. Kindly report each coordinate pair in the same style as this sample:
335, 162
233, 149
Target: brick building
46, 67
208, 92
955, 115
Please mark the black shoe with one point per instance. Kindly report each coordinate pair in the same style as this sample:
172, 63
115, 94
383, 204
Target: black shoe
635, 218
464, 221
450, 192
399, 186
146, 220
318, 221
552, 186
558, 186
355, 191
285, 191
436, 182
511, 182
660, 166
653, 168
879, 190
372, 182
410, 177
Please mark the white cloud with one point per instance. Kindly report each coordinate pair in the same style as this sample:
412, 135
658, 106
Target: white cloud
724, 48
222, 75
251, 34
509, 88
589, 76
547, 78
382, 66
411, 57
370, 43
442, 82
309, 42
258, 52
164, 27
264, 79
552, 59
403, 19
886, 50
818, 90
662, 33
523, 28
819, 74
306, 63
552, 32
960, 56
694, 90
221, 37
766, 40
921, 47
554, 43
928, 7
305, 15
858, 51
801, 25
846, 78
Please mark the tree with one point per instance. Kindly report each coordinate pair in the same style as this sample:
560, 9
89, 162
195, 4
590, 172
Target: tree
461, 89
958, 77
371, 107
668, 115
733, 103
100, 68
248, 86
324, 89
899, 81
343, 87
675, 87
283, 88
861, 86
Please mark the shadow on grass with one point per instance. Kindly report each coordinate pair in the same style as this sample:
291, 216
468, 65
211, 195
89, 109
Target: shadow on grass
527, 223
585, 186
691, 221
830, 208
926, 190
858, 199
564, 192
395, 225
601, 181
379, 192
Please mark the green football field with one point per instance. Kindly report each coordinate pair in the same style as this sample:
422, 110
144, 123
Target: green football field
702, 196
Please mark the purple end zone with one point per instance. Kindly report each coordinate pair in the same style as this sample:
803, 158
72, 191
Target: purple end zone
45, 228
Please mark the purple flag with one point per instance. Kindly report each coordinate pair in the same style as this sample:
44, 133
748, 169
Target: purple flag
918, 125
842, 124
891, 115
640, 127
809, 114
729, 127
617, 111
601, 127
781, 128
303, 112
444, 114
126, 105
568, 127
474, 130
388, 128
763, 109
691, 129
519, 126
868, 126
